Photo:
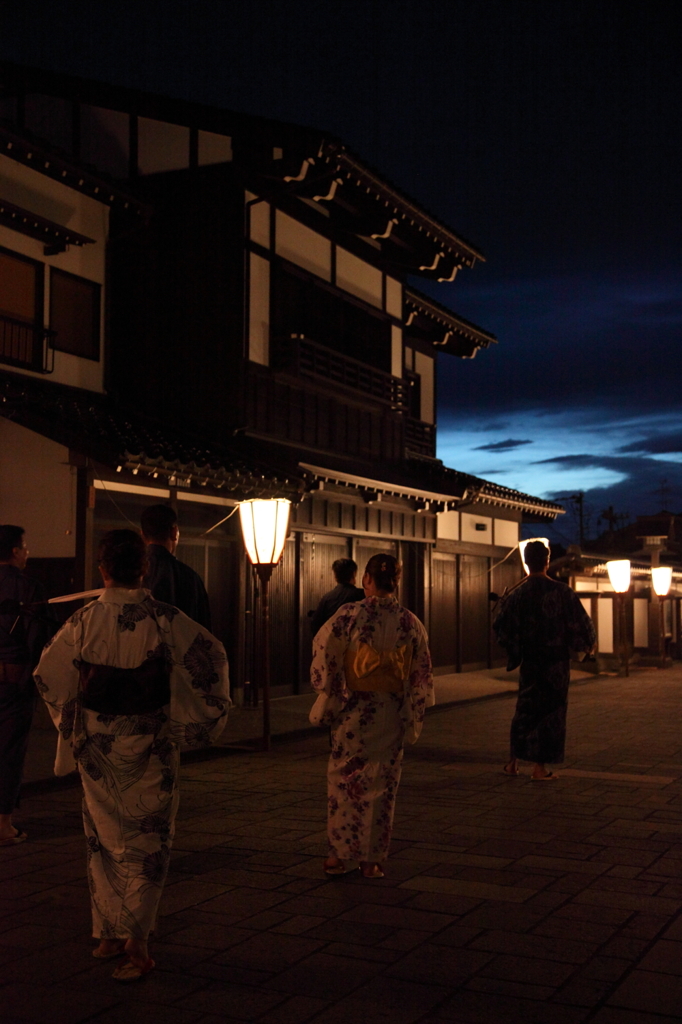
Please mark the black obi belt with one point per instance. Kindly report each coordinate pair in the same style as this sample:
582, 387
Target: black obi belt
125, 691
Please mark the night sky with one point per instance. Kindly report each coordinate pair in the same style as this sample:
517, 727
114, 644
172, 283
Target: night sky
546, 132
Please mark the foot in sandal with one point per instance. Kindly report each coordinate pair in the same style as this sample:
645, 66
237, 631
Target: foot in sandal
371, 869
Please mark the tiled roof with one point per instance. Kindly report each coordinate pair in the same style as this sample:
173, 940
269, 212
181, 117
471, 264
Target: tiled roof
96, 426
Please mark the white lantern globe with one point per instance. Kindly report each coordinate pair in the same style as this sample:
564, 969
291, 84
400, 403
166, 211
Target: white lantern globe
265, 525
619, 574
661, 578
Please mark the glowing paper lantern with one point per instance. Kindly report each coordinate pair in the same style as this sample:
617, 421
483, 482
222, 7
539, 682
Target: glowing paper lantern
661, 578
265, 524
524, 543
619, 575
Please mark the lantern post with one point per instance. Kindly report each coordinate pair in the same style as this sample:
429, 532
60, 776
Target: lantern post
619, 575
265, 524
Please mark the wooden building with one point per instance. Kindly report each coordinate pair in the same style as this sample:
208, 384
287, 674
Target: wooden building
246, 324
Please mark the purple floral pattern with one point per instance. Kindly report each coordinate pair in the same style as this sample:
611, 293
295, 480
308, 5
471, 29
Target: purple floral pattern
368, 728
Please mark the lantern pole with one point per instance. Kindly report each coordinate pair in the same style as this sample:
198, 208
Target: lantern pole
265, 524
619, 575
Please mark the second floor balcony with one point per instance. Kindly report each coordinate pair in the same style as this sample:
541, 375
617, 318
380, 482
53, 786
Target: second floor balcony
305, 358
24, 345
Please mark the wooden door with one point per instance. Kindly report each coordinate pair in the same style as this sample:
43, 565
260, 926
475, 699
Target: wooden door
474, 612
443, 625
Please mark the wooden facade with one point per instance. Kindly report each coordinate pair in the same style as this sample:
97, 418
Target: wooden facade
255, 311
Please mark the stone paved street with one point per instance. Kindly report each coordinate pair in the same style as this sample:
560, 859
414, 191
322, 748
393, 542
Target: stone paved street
505, 901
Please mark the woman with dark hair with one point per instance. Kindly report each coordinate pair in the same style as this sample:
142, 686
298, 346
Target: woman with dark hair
128, 681
372, 670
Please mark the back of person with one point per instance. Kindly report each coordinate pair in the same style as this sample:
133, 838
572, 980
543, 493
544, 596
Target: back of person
169, 579
345, 592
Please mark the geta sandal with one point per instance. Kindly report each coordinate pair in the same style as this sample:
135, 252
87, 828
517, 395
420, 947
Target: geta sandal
342, 867
371, 870
130, 971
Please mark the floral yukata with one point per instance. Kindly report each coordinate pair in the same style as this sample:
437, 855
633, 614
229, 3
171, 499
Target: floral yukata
372, 670
129, 681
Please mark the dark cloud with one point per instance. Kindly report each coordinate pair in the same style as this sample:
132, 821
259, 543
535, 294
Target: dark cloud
501, 446
658, 444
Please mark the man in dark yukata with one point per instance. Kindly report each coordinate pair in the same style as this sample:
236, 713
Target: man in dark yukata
539, 623
169, 579
24, 631
345, 573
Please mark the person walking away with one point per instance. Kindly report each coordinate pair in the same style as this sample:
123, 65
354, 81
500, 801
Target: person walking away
372, 670
168, 578
23, 633
128, 681
345, 573
540, 623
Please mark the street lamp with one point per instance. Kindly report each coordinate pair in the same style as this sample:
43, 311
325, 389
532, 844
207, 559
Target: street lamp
619, 575
661, 578
265, 524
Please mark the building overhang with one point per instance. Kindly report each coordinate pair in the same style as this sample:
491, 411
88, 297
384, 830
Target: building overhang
139, 448
55, 237
442, 328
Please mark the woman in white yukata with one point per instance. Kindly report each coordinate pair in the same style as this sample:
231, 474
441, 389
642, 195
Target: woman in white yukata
372, 669
128, 681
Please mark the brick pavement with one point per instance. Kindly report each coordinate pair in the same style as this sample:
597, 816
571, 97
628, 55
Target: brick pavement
506, 901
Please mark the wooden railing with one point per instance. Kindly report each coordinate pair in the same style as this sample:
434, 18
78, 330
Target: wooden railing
23, 344
420, 436
298, 354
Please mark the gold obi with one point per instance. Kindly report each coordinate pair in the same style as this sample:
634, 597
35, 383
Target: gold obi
377, 671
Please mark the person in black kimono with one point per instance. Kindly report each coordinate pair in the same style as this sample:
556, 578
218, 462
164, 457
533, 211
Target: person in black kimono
23, 632
345, 573
539, 623
169, 579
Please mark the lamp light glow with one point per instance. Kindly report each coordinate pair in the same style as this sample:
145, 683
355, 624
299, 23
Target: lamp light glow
522, 549
619, 574
265, 524
661, 578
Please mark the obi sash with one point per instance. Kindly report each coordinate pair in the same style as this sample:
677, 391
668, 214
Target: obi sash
125, 691
377, 671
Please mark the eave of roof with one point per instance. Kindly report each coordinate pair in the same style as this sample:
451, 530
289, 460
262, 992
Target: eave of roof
43, 159
40, 228
95, 426
453, 324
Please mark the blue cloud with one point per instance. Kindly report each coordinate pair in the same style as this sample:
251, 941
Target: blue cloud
501, 446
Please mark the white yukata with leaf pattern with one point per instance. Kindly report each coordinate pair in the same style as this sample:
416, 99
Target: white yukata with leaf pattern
373, 643
129, 763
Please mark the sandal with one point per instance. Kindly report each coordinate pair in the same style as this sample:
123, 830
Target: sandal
341, 867
505, 770
98, 955
549, 777
20, 837
371, 870
130, 971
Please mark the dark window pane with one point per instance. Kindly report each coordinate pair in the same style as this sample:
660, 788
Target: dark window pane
17, 288
74, 314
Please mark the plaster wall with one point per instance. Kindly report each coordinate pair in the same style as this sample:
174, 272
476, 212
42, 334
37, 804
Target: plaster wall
38, 490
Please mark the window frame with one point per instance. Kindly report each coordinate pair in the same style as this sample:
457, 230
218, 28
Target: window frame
56, 272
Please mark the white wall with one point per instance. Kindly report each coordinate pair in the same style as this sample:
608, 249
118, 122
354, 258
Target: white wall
640, 608
469, 531
447, 525
506, 533
396, 351
47, 198
605, 625
259, 220
214, 149
38, 490
161, 146
259, 309
394, 298
358, 277
424, 366
303, 246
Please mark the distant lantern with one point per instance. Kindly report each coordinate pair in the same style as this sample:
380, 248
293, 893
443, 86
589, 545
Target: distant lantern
522, 548
619, 575
661, 578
